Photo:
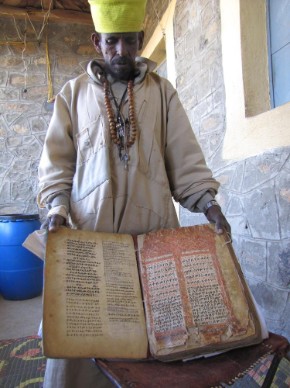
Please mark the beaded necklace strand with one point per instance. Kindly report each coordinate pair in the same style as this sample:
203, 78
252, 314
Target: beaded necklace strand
123, 132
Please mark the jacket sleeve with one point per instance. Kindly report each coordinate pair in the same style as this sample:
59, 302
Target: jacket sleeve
58, 159
191, 181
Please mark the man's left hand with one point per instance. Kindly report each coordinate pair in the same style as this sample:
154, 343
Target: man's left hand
215, 216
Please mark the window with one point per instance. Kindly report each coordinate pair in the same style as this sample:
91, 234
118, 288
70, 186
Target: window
252, 127
279, 50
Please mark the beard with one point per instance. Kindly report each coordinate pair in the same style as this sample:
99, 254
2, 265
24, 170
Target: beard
121, 68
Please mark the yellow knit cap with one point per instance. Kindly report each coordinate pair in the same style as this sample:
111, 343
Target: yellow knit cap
118, 15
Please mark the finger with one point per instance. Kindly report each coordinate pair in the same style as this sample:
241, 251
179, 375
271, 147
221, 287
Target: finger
228, 229
55, 222
219, 228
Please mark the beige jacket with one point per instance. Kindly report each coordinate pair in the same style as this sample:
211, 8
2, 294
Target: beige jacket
80, 165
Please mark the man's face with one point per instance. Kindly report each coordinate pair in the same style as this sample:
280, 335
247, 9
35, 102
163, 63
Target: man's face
119, 51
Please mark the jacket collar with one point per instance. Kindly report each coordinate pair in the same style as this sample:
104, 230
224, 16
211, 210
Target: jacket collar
95, 70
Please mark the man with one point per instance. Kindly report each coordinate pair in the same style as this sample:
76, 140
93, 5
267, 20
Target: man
118, 148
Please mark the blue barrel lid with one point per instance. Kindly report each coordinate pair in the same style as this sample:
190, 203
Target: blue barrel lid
18, 217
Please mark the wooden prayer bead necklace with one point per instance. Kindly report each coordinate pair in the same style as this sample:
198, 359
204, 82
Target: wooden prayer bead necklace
123, 132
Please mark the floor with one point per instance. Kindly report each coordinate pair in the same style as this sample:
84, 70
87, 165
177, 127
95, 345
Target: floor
20, 318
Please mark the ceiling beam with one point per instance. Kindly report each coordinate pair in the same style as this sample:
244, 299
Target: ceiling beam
56, 15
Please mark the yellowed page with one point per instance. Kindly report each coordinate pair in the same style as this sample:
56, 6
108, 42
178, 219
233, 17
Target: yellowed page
195, 297
92, 298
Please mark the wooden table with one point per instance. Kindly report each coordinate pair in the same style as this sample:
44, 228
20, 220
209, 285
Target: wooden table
200, 373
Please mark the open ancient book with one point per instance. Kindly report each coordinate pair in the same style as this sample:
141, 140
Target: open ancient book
170, 294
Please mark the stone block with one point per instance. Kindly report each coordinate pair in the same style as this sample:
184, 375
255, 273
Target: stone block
68, 62
210, 57
213, 32
14, 107
31, 208
5, 157
86, 50
278, 259
14, 141
192, 70
215, 141
272, 300
11, 62
22, 191
218, 97
4, 50
203, 84
21, 127
10, 118
287, 163
39, 61
225, 177
3, 170
14, 176
203, 142
253, 258
5, 192
237, 179
3, 77
202, 109
239, 225
263, 168
31, 48
3, 128
188, 218
201, 4
188, 98
12, 208
235, 207
21, 166
38, 124
285, 330
9, 94
21, 80
34, 93
183, 15
262, 213
216, 76
282, 191
274, 325
30, 149
223, 198
40, 138
39, 64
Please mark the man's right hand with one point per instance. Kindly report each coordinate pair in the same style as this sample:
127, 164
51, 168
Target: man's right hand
53, 223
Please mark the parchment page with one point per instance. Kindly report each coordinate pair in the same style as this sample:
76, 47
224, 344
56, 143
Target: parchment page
194, 295
92, 297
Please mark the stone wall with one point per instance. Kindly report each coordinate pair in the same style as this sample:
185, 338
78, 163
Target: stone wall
254, 193
24, 108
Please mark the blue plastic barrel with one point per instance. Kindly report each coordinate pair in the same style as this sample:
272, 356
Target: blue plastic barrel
21, 272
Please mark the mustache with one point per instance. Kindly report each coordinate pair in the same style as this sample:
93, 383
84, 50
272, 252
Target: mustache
121, 61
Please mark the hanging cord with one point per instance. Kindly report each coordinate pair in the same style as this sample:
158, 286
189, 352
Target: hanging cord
23, 59
158, 18
44, 23
50, 96
23, 41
